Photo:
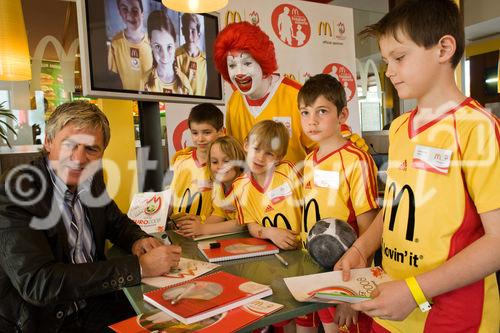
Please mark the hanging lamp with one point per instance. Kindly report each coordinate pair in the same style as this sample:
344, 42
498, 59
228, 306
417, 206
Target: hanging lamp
14, 52
195, 6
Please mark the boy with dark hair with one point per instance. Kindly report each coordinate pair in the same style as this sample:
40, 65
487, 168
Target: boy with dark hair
439, 225
206, 113
339, 178
192, 184
130, 54
191, 60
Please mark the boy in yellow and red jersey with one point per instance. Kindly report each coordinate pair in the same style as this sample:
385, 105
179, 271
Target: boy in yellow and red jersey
192, 184
339, 178
130, 54
268, 198
439, 228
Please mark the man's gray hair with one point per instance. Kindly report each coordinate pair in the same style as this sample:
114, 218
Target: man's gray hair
81, 114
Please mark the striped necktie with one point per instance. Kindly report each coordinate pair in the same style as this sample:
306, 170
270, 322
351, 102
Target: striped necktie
80, 236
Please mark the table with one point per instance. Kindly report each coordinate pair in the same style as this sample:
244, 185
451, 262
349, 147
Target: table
265, 269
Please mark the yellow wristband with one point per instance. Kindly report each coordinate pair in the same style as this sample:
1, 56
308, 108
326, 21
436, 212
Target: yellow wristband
418, 294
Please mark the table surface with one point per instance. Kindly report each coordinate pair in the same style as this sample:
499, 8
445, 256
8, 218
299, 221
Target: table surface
264, 269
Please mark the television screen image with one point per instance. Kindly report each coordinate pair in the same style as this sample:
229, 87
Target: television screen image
139, 49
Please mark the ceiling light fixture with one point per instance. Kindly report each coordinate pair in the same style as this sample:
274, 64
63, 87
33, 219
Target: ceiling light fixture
195, 6
14, 52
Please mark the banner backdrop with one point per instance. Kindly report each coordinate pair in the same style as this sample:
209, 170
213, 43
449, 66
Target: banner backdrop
309, 38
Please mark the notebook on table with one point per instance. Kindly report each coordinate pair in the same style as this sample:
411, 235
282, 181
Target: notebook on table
236, 248
187, 269
202, 237
230, 321
330, 288
206, 296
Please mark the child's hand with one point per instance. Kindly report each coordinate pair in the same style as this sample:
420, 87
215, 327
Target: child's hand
391, 301
352, 258
283, 238
190, 225
345, 315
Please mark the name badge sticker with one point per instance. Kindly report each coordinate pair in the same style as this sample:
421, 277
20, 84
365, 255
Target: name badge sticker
327, 179
432, 159
279, 193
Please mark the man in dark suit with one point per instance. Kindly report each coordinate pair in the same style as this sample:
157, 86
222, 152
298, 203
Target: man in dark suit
55, 215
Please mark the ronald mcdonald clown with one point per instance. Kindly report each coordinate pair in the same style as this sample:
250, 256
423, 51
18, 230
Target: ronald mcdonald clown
245, 57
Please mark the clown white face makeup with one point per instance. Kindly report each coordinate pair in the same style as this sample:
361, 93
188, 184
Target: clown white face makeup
245, 73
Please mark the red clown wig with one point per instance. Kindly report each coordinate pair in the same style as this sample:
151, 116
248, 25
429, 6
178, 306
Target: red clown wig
247, 37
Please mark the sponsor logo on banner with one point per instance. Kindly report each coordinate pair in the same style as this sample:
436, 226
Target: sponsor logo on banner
233, 16
301, 78
182, 136
340, 35
290, 76
344, 75
254, 18
325, 29
291, 25
329, 32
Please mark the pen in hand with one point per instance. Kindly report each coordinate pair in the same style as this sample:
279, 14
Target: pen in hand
281, 260
183, 293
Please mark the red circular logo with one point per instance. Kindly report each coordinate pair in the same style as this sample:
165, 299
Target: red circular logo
344, 75
291, 25
182, 136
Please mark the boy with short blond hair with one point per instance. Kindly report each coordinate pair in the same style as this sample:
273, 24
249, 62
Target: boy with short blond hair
439, 225
339, 178
192, 184
268, 196
130, 54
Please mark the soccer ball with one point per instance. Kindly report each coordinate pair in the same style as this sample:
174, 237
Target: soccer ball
327, 241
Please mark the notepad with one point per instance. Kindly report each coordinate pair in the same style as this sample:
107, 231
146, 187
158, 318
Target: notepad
237, 248
230, 321
206, 296
202, 237
187, 269
330, 288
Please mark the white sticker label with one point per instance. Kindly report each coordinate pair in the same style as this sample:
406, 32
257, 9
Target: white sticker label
329, 179
279, 193
432, 159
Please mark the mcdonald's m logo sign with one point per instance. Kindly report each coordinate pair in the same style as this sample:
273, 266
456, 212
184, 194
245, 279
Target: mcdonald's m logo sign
396, 199
232, 17
189, 200
324, 28
266, 221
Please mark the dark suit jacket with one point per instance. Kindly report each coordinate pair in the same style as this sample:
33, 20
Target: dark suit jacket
38, 282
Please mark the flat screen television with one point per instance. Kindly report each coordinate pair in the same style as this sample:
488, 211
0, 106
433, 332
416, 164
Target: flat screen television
140, 50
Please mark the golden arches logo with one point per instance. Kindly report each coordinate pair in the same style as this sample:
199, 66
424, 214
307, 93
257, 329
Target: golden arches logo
233, 17
290, 76
324, 28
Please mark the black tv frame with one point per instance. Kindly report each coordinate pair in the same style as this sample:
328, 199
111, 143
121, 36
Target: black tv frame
88, 41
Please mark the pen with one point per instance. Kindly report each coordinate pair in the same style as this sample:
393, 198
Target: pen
165, 239
183, 293
280, 258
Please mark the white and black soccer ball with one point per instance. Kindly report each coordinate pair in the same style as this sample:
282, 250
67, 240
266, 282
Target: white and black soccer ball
328, 239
